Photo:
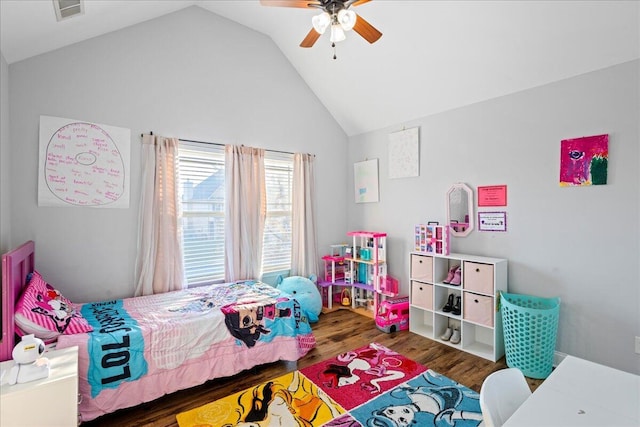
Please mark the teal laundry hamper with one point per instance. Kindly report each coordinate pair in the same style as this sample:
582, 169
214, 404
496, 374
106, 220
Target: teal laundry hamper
530, 326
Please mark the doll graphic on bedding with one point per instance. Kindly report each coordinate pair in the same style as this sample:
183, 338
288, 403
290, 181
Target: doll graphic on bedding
246, 320
52, 305
433, 401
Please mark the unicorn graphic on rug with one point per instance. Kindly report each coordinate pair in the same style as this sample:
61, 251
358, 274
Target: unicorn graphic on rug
378, 363
357, 376
375, 361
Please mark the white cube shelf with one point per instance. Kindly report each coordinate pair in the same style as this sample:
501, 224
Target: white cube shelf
479, 321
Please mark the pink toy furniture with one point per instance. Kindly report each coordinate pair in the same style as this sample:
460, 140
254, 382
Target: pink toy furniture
432, 238
334, 268
389, 286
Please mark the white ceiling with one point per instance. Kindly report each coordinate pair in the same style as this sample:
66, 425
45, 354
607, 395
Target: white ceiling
434, 55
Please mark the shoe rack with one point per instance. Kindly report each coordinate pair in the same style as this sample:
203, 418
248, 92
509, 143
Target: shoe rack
460, 292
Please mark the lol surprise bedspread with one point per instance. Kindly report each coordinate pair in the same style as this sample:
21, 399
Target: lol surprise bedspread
142, 348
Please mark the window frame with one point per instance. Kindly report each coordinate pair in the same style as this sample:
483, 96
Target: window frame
276, 162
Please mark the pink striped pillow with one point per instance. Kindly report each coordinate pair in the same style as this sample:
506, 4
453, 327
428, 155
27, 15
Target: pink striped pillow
41, 306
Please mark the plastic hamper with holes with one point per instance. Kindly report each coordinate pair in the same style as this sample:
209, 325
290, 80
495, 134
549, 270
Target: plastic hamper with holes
530, 326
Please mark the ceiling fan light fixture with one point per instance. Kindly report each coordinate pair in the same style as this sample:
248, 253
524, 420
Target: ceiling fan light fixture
321, 22
337, 33
347, 19
334, 13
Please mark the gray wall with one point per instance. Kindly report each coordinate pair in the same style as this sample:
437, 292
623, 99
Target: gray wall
5, 229
192, 75
580, 244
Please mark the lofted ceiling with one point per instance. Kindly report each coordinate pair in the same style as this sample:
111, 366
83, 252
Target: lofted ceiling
433, 56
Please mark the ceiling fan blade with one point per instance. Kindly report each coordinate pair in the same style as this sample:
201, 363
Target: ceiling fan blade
310, 39
291, 3
366, 30
359, 2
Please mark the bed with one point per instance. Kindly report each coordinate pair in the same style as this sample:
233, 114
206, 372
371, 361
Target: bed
142, 348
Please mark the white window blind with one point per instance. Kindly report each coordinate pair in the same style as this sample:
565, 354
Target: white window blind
276, 250
201, 172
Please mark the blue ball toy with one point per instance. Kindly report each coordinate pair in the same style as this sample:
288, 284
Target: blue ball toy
305, 292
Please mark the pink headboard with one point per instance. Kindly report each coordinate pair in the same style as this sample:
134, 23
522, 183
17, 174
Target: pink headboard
16, 265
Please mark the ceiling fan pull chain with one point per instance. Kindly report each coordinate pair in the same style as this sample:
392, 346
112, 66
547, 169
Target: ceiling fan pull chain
333, 45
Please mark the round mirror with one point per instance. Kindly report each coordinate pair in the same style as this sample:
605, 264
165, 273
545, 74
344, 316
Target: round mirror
460, 209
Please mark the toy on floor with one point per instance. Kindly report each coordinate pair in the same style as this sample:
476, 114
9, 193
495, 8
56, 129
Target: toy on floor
345, 297
305, 292
393, 315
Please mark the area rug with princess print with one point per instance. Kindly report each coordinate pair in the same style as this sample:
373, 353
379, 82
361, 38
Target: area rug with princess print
369, 386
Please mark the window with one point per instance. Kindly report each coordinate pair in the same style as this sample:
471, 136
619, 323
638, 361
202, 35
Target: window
276, 242
202, 196
201, 171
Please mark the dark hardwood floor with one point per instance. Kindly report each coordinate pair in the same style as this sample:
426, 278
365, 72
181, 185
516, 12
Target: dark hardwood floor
336, 333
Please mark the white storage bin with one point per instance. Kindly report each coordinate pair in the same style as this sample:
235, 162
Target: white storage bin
478, 308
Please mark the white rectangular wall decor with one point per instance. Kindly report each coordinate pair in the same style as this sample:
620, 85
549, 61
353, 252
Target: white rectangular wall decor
366, 181
404, 155
83, 164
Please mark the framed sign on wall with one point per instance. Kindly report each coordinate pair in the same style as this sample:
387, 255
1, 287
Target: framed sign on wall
492, 221
492, 195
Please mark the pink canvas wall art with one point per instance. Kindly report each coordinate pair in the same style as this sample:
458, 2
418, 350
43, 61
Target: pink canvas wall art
583, 161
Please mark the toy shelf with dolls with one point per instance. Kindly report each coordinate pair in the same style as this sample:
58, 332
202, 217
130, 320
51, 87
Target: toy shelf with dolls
355, 275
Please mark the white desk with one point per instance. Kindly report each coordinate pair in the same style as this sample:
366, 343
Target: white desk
582, 393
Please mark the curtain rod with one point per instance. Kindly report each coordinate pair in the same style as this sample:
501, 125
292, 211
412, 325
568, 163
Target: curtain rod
222, 145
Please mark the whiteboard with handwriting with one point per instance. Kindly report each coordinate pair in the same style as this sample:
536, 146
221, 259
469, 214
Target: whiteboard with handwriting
83, 164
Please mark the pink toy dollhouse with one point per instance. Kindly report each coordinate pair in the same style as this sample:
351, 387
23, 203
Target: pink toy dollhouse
361, 270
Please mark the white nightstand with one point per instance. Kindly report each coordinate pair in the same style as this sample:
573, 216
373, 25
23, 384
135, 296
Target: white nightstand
51, 401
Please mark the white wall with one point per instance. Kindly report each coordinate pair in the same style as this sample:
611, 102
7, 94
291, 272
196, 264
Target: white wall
580, 244
5, 229
192, 75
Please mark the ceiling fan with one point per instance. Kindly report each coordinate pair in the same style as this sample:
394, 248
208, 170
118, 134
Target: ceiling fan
335, 15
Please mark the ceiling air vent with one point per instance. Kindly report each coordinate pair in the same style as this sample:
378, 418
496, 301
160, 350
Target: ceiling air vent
68, 8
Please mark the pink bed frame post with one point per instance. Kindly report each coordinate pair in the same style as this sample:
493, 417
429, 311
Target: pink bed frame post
16, 265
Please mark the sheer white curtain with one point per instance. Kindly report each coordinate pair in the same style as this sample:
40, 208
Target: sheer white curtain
159, 260
304, 256
245, 211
